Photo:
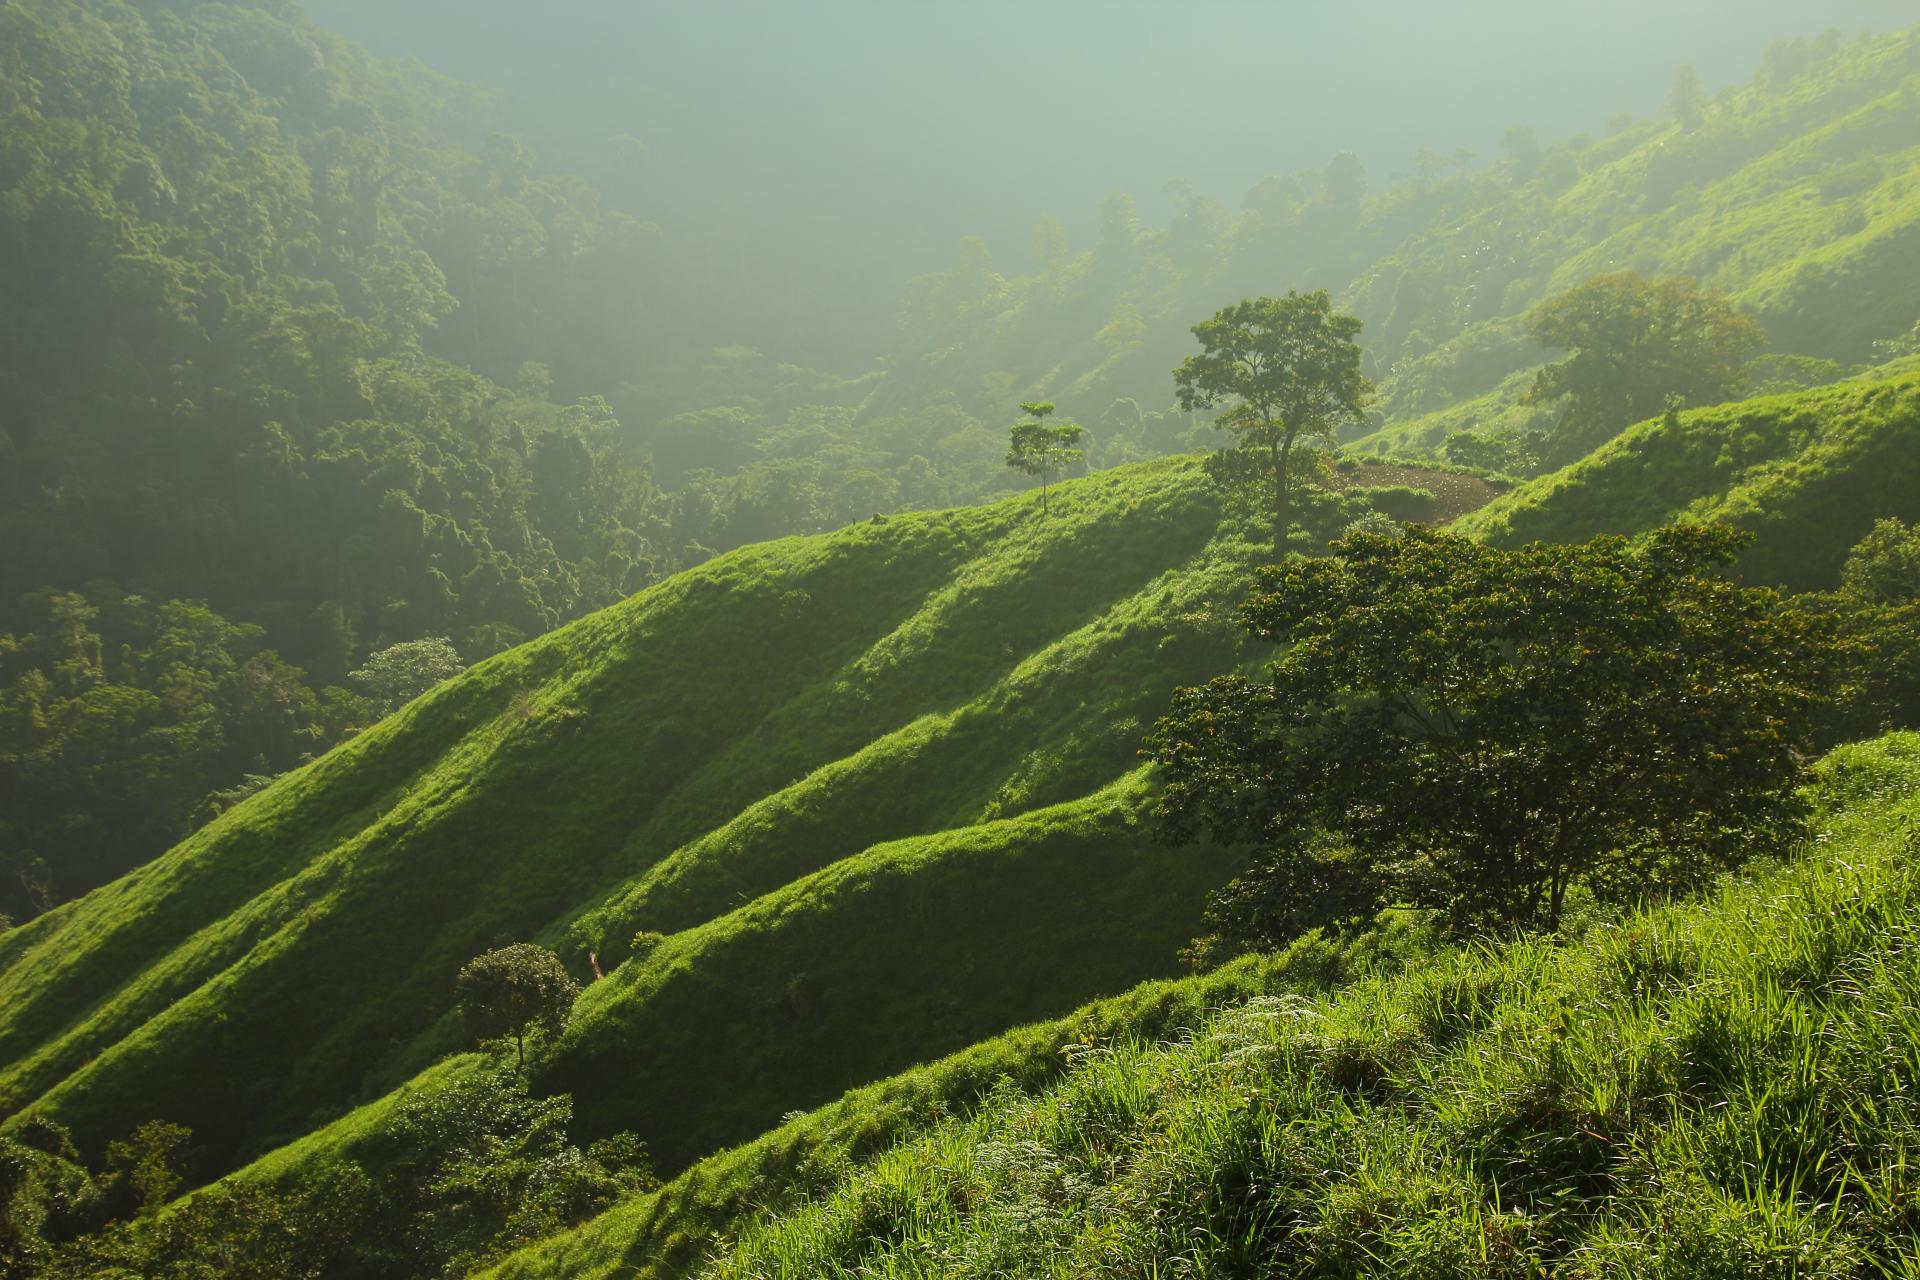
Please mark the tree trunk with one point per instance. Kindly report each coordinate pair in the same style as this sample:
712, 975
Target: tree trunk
1282, 499
1557, 899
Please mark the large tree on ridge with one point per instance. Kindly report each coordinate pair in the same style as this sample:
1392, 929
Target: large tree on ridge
1284, 369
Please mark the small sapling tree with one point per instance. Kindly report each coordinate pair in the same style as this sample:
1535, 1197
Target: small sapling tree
511, 990
1041, 448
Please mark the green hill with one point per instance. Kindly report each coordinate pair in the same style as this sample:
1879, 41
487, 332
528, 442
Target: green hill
898, 818
1807, 473
1703, 1090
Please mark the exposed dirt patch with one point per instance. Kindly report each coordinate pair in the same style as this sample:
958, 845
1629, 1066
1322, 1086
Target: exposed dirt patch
1455, 494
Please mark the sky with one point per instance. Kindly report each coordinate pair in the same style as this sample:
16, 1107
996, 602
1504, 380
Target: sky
810, 145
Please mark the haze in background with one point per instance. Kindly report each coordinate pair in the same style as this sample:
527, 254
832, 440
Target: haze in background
806, 159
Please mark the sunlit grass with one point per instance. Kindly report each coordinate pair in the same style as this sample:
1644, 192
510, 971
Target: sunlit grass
1687, 1091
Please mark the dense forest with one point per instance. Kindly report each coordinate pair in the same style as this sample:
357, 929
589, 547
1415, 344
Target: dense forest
1373, 727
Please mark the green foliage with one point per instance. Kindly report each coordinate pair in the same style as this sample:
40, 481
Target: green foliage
151, 1165
120, 720
1685, 1091
470, 1171
1807, 474
1486, 730
930, 718
1040, 448
400, 673
507, 991
1884, 566
1636, 345
1281, 370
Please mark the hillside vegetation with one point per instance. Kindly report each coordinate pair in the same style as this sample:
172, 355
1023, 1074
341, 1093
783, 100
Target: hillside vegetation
1689, 1091
928, 721
1807, 473
1795, 195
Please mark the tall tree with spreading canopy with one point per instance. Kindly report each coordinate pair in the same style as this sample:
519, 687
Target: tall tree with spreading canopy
1040, 448
1284, 369
1637, 346
1481, 730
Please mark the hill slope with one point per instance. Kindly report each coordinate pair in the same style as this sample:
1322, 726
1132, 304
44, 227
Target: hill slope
1798, 195
1808, 473
776, 758
1702, 1090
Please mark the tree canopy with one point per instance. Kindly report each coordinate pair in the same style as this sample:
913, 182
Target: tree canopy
1280, 369
1482, 730
1637, 346
508, 991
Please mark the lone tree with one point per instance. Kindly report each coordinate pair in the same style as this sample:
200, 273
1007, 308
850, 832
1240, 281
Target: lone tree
1040, 448
1284, 368
508, 991
1479, 730
399, 673
1637, 346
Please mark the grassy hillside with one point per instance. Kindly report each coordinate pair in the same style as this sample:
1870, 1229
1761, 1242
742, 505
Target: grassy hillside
666, 1233
1703, 1090
1808, 473
776, 758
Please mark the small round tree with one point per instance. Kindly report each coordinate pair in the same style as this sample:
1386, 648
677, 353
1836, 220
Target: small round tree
507, 991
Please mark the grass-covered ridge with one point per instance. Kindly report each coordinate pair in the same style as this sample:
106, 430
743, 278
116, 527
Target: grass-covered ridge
1711, 1089
928, 717
1808, 473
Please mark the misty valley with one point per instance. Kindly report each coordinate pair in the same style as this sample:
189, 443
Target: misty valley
757, 641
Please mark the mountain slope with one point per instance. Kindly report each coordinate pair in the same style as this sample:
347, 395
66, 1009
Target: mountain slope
1797, 195
757, 756
1807, 473
1694, 1090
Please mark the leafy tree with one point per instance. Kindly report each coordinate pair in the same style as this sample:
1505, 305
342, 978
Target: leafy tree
507, 991
151, 1164
1884, 567
402, 672
1040, 448
1907, 344
1285, 369
1685, 98
1485, 729
1637, 346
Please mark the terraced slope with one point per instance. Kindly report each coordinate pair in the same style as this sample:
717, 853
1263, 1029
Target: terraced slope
1808, 473
875, 785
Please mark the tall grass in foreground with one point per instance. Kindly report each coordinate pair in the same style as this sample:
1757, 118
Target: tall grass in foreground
1724, 1089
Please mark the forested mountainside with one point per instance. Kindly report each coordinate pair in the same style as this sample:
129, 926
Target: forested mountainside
1794, 195
391, 600
903, 816
932, 718
305, 363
